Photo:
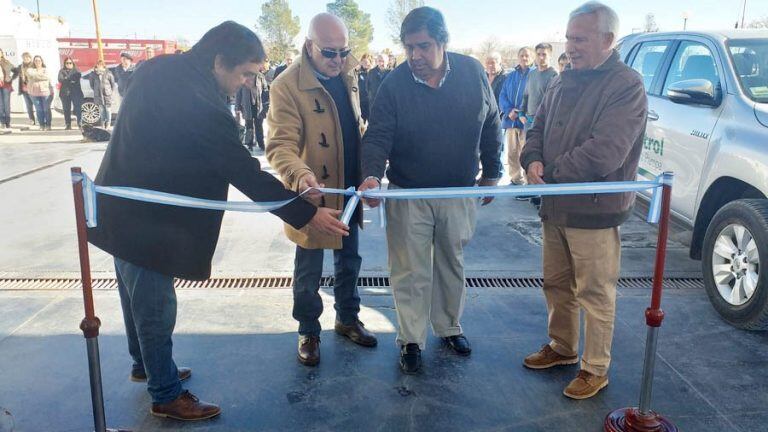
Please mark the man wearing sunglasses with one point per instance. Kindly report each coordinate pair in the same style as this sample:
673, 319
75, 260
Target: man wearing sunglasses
314, 141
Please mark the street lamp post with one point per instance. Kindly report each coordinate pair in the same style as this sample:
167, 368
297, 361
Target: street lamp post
685, 19
98, 32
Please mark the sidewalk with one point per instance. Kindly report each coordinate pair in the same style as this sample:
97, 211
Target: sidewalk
241, 345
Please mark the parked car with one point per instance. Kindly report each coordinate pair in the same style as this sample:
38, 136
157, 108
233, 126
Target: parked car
90, 111
708, 123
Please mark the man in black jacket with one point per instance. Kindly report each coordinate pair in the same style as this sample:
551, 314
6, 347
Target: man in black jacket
192, 149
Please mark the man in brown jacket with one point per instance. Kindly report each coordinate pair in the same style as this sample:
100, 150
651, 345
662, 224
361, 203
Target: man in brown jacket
314, 133
589, 128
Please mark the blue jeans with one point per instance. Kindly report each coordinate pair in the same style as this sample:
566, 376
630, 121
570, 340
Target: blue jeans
105, 115
5, 107
307, 304
149, 311
42, 108
30, 106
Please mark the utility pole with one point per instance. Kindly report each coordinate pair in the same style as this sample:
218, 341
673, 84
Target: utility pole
743, 12
39, 23
98, 32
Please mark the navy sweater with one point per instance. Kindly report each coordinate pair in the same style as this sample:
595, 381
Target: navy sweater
434, 137
349, 133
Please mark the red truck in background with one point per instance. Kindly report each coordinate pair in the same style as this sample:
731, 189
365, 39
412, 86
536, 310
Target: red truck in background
85, 51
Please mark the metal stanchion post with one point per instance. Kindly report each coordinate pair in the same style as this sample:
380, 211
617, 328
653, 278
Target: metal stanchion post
90, 324
642, 419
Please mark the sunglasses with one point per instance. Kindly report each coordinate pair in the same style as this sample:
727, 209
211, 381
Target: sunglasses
331, 53
68, 63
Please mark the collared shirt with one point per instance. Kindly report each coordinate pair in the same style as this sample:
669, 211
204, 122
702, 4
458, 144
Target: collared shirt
442, 80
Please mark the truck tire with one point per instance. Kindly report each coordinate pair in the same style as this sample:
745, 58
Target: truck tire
735, 249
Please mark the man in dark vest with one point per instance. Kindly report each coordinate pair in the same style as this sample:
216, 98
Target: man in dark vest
190, 150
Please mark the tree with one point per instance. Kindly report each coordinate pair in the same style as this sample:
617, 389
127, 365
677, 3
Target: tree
488, 47
358, 23
396, 13
279, 28
761, 23
650, 23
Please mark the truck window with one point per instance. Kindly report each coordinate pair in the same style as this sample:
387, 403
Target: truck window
750, 60
693, 60
648, 60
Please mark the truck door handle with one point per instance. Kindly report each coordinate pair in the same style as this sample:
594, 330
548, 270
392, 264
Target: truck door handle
652, 115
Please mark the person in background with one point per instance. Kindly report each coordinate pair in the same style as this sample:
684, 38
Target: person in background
496, 75
103, 85
70, 93
376, 76
40, 89
538, 82
21, 72
280, 69
6, 87
123, 72
563, 63
362, 84
262, 92
511, 106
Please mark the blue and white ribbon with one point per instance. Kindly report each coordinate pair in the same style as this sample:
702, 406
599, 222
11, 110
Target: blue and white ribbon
90, 191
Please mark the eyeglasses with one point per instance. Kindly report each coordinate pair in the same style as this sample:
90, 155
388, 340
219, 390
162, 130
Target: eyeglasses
331, 53
68, 63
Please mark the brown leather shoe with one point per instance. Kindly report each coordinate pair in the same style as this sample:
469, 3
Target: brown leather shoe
184, 374
186, 407
309, 350
585, 385
357, 333
546, 357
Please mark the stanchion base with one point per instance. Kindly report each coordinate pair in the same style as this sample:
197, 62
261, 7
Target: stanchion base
630, 420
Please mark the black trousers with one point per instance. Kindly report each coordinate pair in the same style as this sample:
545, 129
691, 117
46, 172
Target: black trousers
68, 103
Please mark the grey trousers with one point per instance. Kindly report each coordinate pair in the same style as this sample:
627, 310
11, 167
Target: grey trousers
426, 240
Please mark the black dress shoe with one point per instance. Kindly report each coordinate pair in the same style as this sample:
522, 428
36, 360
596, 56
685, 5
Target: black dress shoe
410, 359
356, 333
141, 376
459, 344
309, 350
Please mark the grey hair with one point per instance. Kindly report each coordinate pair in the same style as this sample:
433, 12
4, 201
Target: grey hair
607, 20
495, 56
319, 19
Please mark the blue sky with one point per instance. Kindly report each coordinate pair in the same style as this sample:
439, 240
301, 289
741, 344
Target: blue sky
469, 21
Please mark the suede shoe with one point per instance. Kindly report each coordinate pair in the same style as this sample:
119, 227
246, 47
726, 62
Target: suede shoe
459, 344
585, 385
140, 376
186, 407
356, 333
410, 359
309, 350
546, 358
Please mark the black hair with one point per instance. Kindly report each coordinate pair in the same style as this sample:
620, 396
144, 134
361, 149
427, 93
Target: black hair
235, 43
562, 57
545, 46
425, 18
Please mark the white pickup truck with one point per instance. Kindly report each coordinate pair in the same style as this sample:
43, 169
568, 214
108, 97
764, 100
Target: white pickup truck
708, 123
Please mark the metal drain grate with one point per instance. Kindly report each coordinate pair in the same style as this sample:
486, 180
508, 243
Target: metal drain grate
20, 284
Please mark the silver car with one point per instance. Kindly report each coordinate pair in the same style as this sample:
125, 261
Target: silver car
708, 123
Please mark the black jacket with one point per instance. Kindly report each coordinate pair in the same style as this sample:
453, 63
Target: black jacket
190, 148
375, 77
70, 83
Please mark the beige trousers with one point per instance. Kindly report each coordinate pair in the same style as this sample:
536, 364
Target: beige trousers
515, 141
581, 268
426, 240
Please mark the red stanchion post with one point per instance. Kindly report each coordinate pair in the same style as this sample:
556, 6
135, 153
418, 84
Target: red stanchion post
642, 418
91, 323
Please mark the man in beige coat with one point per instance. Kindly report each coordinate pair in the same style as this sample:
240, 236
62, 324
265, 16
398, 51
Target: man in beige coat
314, 141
